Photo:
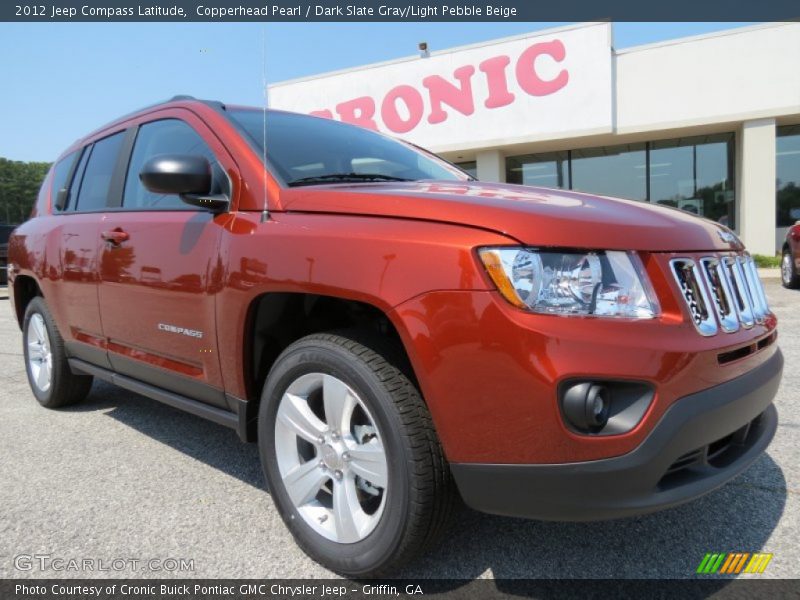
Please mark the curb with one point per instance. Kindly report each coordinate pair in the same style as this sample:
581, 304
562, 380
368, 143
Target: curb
772, 273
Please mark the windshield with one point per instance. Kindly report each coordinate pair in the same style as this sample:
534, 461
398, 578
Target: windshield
306, 150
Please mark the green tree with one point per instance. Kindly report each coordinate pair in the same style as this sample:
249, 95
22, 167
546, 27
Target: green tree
19, 187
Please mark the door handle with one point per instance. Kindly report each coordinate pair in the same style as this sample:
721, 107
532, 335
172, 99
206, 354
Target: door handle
116, 236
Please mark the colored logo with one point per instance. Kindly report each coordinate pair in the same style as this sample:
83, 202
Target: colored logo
733, 563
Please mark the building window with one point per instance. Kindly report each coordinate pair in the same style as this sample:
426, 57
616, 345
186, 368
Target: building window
694, 174
549, 170
787, 169
469, 166
611, 170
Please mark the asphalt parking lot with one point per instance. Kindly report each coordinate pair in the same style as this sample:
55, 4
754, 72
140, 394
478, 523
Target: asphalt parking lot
124, 477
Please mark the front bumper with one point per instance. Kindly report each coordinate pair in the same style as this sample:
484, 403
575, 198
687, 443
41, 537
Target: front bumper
702, 441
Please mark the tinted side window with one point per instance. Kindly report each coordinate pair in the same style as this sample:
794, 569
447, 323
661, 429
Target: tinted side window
60, 174
96, 181
168, 136
78, 177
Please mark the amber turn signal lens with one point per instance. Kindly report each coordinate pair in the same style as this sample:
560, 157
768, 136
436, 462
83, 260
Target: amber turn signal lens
491, 260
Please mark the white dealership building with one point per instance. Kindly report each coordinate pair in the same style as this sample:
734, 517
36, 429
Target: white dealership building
710, 124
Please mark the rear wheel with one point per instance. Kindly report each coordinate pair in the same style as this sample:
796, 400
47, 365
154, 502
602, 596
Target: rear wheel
789, 275
352, 461
49, 375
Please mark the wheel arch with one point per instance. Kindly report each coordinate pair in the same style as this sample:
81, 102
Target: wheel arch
25, 289
277, 319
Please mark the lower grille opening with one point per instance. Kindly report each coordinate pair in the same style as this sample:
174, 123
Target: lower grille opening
723, 358
715, 455
726, 357
767, 340
687, 460
716, 449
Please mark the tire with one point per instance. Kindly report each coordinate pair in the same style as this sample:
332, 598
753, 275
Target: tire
407, 506
43, 348
790, 278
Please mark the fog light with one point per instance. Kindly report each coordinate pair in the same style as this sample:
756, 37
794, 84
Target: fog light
606, 407
586, 406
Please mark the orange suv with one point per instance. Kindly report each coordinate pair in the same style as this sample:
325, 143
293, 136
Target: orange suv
391, 332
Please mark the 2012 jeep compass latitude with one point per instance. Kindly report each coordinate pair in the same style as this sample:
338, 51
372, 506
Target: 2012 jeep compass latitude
391, 332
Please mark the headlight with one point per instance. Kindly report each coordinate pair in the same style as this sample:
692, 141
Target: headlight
607, 284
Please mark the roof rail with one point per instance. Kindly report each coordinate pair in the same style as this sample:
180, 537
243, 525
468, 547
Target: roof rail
180, 97
216, 104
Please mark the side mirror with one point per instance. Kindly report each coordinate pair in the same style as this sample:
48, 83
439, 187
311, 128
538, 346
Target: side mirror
61, 199
185, 175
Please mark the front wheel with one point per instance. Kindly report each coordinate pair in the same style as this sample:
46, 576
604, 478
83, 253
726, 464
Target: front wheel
789, 275
351, 457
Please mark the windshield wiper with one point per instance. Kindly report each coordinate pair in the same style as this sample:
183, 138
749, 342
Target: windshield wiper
333, 177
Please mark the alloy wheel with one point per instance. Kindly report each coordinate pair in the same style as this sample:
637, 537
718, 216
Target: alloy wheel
40, 358
786, 268
331, 458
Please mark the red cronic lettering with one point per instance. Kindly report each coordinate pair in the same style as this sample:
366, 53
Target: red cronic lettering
413, 101
527, 76
495, 70
403, 107
442, 91
358, 111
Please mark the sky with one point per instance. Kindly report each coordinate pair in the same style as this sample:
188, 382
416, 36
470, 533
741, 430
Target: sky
63, 80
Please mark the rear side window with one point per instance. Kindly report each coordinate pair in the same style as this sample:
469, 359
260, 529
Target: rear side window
168, 136
77, 177
96, 180
60, 175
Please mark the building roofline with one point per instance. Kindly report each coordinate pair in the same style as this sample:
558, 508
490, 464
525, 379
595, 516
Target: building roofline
705, 36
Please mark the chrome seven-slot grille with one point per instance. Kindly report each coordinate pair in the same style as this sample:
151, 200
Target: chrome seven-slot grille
721, 292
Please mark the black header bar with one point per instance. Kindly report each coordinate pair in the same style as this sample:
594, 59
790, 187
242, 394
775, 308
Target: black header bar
398, 10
